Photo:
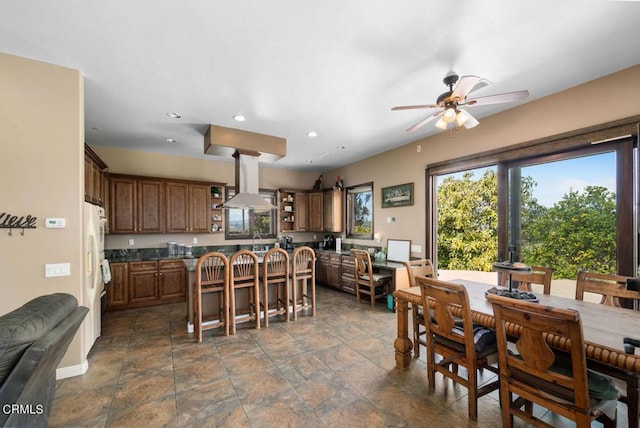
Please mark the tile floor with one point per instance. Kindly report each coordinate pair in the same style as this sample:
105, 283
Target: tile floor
335, 370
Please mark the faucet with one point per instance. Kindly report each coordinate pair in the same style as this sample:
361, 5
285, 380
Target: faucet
253, 241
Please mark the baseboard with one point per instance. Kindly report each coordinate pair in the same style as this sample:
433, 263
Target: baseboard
71, 371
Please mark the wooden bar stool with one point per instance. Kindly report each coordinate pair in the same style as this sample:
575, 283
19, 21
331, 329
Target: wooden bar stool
212, 276
303, 271
244, 275
275, 275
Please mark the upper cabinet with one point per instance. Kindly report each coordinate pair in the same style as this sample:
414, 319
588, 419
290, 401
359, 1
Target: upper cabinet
315, 211
93, 177
293, 211
217, 212
332, 218
188, 207
325, 211
136, 205
156, 205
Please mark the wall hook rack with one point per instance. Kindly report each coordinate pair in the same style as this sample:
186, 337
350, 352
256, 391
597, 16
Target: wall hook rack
8, 221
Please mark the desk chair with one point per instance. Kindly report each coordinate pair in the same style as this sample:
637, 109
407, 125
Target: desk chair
464, 346
376, 286
303, 272
212, 276
537, 275
244, 275
275, 275
539, 375
422, 267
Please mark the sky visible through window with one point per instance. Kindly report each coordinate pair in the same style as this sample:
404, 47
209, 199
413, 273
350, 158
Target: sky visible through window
556, 179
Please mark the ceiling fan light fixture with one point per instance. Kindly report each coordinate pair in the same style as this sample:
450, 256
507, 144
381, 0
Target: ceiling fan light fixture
449, 115
441, 123
462, 117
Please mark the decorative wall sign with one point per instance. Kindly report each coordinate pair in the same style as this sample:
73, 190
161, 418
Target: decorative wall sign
9, 221
397, 196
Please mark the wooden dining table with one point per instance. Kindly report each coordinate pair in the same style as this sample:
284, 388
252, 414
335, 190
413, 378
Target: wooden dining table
604, 327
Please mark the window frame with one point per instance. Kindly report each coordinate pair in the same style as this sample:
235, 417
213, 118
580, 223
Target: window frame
273, 222
619, 136
351, 190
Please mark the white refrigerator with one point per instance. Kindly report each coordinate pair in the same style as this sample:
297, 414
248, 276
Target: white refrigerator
93, 284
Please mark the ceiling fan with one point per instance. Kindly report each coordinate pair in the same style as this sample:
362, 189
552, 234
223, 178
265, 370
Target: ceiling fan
449, 103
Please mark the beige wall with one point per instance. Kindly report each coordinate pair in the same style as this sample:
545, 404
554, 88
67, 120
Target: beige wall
41, 170
613, 97
122, 161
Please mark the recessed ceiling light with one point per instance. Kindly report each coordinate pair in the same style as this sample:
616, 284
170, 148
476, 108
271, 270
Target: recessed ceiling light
173, 115
309, 161
312, 134
170, 140
239, 118
341, 147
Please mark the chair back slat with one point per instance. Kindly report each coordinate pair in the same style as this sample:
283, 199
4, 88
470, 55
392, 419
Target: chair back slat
422, 267
611, 287
538, 275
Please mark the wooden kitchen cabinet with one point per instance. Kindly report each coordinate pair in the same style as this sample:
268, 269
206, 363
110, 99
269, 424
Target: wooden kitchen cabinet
172, 281
329, 269
143, 284
146, 283
314, 203
332, 209
322, 267
93, 177
188, 207
136, 205
118, 289
348, 274
293, 211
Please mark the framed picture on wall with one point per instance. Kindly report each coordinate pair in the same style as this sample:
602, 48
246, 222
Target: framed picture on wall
397, 196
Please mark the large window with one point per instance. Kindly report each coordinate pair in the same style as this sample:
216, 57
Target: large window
246, 223
360, 211
567, 205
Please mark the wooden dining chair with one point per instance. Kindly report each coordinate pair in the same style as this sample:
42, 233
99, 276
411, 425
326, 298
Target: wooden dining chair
303, 280
536, 374
374, 285
473, 349
610, 287
244, 275
212, 278
538, 275
422, 267
275, 276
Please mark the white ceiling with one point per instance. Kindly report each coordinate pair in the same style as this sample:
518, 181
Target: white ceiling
290, 66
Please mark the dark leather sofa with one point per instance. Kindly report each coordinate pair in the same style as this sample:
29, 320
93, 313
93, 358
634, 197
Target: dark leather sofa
33, 340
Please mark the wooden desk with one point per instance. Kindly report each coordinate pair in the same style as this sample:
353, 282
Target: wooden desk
603, 327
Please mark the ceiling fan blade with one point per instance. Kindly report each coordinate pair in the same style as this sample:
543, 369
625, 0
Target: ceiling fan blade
508, 97
466, 85
424, 121
415, 107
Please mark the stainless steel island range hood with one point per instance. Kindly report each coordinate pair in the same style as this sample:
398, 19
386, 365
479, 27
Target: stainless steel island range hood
246, 147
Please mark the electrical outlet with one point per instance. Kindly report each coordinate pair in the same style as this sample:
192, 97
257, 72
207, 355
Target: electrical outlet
131, 242
195, 240
419, 148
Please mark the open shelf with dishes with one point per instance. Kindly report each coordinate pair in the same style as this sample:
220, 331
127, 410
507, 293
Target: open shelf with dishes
217, 212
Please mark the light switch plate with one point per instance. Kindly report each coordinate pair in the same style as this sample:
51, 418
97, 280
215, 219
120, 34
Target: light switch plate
57, 269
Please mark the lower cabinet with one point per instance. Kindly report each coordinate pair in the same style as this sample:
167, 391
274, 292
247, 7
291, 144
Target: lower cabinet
329, 269
172, 281
348, 274
118, 288
148, 283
